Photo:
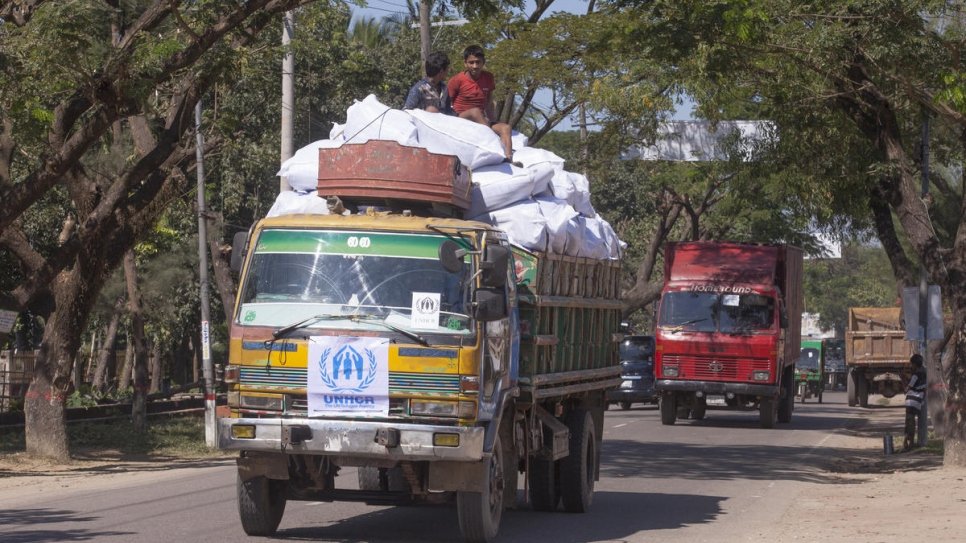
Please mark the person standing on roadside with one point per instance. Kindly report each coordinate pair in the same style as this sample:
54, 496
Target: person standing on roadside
470, 92
915, 396
430, 93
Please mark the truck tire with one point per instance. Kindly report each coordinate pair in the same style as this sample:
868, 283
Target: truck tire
544, 481
578, 470
625, 405
699, 409
261, 504
851, 387
767, 412
480, 512
786, 399
669, 411
369, 479
862, 391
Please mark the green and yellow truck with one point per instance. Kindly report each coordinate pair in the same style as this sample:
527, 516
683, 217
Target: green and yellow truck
421, 349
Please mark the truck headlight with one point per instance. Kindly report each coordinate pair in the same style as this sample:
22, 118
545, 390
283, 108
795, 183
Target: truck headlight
670, 371
434, 408
231, 374
265, 403
761, 375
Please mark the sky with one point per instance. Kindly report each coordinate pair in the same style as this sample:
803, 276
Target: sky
385, 8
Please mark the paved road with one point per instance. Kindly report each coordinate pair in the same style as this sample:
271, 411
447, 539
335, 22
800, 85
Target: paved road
722, 479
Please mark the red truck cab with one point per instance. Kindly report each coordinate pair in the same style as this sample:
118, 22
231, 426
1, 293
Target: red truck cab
729, 326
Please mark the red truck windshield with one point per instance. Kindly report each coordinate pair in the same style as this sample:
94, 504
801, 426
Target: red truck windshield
716, 312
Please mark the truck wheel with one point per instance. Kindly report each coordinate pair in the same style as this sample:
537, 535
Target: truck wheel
819, 396
261, 503
699, 409
625, 405
767, 412
578, 470
786, 400
669, 411
862, 391
480, 512
544, 479
852, 388
372, 479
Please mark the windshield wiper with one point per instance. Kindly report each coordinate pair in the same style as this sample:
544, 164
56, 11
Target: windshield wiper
680, 326
375, 319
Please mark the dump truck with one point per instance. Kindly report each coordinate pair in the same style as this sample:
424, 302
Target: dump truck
729, 327
876, 353
421, 349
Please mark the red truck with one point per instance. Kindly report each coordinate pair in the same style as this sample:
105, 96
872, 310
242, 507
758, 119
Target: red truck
729, 325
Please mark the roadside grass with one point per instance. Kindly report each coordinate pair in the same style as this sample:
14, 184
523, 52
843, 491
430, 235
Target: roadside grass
172, 437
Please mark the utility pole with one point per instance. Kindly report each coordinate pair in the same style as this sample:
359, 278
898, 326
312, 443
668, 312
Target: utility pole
288, 93
924, 289
206, 365
424, 29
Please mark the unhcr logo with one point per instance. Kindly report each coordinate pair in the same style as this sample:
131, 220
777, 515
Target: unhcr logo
349, 370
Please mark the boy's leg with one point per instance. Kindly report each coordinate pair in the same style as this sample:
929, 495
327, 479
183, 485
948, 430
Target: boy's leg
910, 437
474, 114
505, 132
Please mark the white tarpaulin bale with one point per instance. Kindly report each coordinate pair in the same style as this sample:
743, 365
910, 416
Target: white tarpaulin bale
500, 185
475, 144
518, 140
531, 156
337, 133
291, 202
575, 188
372, 120
523, 223
561, 219
595, 242
302, 169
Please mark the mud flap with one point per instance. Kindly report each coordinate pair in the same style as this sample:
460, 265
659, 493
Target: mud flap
458, 476
260, 464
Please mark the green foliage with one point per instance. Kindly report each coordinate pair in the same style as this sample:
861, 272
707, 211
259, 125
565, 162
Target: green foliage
862, 277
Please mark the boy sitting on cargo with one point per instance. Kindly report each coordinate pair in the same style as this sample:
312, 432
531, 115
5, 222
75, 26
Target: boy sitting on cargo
470, 92
430, 93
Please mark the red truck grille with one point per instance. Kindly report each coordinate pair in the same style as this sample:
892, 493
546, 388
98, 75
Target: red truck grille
716, 368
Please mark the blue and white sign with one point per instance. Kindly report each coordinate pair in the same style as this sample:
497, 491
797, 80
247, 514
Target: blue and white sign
348, 376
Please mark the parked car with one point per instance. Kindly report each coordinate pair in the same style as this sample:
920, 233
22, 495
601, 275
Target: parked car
637, 373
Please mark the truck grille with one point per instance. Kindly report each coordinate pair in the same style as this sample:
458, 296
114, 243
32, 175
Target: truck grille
294, 379
716, 368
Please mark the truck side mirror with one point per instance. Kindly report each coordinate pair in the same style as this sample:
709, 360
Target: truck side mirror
489, 304
494, 265
451, 256
238, 244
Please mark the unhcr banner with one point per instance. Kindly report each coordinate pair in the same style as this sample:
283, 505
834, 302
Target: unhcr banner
348, 376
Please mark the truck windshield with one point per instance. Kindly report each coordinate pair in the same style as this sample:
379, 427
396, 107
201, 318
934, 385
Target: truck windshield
294, 274
710, 312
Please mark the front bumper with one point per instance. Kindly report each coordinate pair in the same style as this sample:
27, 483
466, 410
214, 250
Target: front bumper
353, 439
637, 391
716, 387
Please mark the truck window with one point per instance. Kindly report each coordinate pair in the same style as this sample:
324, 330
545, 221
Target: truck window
709, 312
322, 276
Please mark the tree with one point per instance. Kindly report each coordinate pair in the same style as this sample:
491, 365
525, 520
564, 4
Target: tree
847, 83
76, 73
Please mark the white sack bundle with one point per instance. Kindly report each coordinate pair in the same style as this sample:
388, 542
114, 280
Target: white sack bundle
595, 243
302, 169
518, 140
500, 185
373, 120
575, 188
337, 133
290, 202
523, 223
531, 156
475, 144
561, 223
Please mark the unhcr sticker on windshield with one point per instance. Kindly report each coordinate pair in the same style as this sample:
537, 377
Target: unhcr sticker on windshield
348, 376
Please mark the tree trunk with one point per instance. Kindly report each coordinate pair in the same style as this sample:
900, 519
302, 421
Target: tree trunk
139, 405
124, 376
221, 264
155, 368
106, 355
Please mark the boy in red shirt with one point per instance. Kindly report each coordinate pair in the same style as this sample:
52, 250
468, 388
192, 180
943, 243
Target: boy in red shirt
469, 95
